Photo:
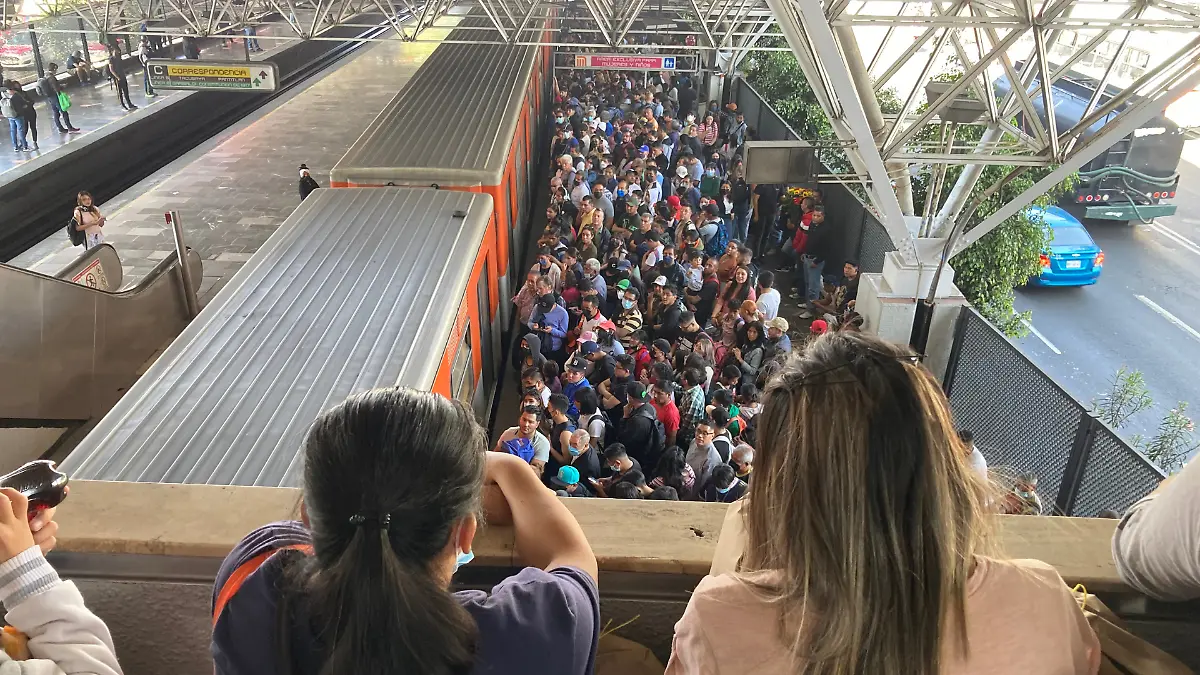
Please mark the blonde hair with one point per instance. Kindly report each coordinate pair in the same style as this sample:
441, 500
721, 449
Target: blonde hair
863, 500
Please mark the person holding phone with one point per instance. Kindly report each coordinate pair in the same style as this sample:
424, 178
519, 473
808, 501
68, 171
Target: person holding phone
54, 632
395, 484
88, 219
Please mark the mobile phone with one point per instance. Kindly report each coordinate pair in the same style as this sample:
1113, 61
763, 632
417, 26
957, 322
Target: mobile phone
41, 482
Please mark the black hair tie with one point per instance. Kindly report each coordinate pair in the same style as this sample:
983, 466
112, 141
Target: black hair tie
382, 522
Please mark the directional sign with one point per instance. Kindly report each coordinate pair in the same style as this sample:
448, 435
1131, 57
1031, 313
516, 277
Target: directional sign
624, 62
259, 76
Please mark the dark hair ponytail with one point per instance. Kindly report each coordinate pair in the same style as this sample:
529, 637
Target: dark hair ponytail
388, 474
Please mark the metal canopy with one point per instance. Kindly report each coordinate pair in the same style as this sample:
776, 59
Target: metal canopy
1132, 52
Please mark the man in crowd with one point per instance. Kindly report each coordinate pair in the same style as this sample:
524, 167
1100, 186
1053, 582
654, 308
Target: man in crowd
525, 441
640, 427
574, 379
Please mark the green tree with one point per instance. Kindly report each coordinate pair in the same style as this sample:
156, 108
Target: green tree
987, 272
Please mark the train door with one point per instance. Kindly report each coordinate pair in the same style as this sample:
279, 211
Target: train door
489, 341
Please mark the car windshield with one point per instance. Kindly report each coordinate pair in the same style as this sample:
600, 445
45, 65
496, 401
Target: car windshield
1071, 236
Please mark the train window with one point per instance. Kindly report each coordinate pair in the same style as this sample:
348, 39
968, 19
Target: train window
462, 384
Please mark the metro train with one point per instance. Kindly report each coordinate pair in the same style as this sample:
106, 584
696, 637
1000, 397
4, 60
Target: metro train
380, 280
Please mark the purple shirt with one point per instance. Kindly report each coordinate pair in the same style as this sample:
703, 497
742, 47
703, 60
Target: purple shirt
532, 622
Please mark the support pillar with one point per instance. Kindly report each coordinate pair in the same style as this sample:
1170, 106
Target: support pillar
887, 302
959, 195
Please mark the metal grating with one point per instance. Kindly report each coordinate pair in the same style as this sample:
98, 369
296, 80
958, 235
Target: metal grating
1115, 476
874, 245
1021, 419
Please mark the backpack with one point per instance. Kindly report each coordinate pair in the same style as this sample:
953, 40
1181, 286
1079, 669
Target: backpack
41, 87
610, 432
716, 245
658, 440
77, 237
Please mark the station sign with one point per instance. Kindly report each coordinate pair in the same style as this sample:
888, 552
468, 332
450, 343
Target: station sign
251, 76
625, 62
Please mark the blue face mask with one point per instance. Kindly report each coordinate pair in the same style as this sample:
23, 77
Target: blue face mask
627, 304
669, 260
574, 451
463, 559
620, 193
727, 489
559, 120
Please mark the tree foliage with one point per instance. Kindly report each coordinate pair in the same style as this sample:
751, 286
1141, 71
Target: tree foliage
988, 271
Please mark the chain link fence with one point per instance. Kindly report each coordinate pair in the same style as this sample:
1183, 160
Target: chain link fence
1023, 421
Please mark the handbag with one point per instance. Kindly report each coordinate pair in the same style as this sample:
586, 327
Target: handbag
1122, 652
64, 101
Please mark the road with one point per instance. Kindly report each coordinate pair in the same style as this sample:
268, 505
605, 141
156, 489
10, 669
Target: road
1144, 312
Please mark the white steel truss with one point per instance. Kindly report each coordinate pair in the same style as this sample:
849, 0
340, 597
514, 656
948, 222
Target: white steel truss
1132, 52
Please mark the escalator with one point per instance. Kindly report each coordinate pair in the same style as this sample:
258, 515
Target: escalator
71, 344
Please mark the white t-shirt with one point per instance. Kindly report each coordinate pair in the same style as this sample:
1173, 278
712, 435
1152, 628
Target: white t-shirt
541, 446
595, 427
768, 304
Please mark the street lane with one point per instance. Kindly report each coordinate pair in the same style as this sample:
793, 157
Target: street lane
1099, 328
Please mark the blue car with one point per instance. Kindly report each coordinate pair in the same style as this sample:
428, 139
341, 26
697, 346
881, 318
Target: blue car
1072, 258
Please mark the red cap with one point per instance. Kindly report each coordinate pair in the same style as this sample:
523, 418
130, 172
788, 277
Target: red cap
673, 200
818, 327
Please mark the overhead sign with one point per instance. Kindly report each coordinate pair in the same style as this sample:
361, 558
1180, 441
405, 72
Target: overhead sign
92, 276
624, 62
251, 76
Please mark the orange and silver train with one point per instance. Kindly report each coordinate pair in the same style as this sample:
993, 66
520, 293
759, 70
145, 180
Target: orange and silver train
401, 276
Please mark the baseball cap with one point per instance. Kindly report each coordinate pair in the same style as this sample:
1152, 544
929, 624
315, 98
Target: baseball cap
636, 391
624, 265
624, 283
635, 188
644, 148
681, 171
818, 327
607, 325
588, 348
567, 475
673, 200
573, 142
660, 281
778, 322
577, 364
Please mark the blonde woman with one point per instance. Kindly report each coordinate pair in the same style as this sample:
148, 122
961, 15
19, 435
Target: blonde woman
88, 219
865, 550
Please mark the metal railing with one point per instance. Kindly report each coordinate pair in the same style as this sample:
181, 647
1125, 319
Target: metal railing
1026, 422
864, 238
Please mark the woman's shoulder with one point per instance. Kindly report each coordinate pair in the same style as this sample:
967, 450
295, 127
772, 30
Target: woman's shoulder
537, 621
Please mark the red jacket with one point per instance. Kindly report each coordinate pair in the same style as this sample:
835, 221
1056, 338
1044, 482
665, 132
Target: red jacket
800, 240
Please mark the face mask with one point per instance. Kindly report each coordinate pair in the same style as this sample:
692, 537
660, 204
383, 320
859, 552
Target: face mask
615, 469
574, 451
463, 559
627, 304
620, 193
710, 172
727, 489
669, 260
558, 120
724, 192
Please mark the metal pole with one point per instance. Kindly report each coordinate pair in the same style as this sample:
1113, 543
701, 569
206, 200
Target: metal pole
37, 52
189, 291
83, 41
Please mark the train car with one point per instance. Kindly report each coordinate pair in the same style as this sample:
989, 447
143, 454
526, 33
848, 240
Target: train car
469, 120
1135, 177
359, 288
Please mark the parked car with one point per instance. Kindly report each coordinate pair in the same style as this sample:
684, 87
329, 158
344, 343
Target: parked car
16, 51
1072, 258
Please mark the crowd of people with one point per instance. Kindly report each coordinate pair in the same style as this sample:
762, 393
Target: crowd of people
647, 325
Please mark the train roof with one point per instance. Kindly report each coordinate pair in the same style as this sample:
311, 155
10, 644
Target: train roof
454, 122
357, 289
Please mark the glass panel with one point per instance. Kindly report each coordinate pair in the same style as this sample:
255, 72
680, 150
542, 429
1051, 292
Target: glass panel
460, 372
16, 55
57, 47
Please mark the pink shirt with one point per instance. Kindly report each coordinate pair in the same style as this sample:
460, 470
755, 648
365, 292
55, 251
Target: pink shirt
1021, 618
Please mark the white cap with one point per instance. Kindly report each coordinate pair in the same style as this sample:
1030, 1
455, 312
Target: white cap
660, 281
681, 171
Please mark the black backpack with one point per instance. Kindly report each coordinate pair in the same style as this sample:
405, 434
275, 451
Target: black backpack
77, 237
610, 432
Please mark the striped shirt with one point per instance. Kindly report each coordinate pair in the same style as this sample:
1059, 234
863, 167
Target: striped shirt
629, 321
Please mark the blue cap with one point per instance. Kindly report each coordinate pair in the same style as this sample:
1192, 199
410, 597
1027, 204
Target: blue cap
567, 475
644, 148
589, 347
573, 142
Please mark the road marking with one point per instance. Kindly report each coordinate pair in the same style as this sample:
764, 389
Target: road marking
1038, 334
1168, 316
1175, 236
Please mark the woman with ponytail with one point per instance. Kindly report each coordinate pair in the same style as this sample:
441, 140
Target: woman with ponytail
395, 483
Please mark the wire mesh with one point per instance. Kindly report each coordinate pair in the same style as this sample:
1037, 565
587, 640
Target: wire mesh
1021, 420
1114, 477
874, 244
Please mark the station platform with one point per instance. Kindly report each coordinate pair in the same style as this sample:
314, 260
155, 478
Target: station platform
95, 105
233, 191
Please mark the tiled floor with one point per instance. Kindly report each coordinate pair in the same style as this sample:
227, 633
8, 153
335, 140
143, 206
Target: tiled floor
232, 195
95, 105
